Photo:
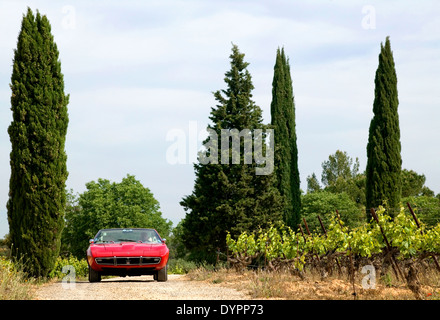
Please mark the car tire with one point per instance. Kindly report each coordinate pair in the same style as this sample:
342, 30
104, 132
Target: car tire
162, 274
94, 276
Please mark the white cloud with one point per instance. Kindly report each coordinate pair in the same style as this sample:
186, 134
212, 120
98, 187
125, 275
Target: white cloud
116, 116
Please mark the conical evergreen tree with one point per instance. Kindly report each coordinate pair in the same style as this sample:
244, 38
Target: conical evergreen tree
383, 173
286, 152
230, 197
38, 159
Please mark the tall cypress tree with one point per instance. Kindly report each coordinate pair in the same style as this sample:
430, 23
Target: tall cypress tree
38, 159
286, 152
383, 174
230, 197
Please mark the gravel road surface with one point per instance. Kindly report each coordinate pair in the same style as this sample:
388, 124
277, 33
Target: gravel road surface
178, 287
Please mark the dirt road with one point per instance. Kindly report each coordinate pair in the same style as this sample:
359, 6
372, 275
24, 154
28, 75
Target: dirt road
178, 287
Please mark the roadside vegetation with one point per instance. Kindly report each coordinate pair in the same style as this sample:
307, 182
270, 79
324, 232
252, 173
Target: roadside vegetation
14, 285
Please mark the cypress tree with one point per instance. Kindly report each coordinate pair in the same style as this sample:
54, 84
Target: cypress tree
383, 173
286, 152
38, 159
230, 197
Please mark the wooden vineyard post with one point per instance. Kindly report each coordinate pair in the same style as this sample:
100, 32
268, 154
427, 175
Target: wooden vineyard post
414, 216
322, 226
352, 270
304, 237
307, 226
325, 233
308, 232
394, 264
421, 232
302, 232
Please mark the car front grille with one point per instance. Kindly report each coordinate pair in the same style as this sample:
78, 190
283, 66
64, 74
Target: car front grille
127, 261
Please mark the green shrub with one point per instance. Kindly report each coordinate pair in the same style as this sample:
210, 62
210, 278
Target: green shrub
180, 266
183, 266
324, 204
427, 209
80, 266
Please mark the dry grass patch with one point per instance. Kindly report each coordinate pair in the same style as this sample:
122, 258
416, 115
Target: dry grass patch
13, 283
283, 285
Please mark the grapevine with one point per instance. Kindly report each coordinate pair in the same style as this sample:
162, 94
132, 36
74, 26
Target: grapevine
282, 247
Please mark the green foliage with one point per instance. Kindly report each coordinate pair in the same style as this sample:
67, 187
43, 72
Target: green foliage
176, 244
383, 173
425, 207
286, 152
324, 204
80, 266
181, 266
106, 204
340, 173
229, 197
38, 159
313, 183
365, 241
413, 184
339, 166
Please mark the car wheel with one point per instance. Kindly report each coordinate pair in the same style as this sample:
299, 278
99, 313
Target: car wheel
162, 274
94, 276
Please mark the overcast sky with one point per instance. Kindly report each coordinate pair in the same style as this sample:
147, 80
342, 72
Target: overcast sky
137, 70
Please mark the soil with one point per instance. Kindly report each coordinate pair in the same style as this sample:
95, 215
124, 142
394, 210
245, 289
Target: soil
178, 287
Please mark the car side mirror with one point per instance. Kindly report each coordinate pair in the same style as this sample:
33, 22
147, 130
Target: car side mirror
91, 241
164, 240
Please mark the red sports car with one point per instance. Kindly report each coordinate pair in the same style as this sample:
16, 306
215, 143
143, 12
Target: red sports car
127, 252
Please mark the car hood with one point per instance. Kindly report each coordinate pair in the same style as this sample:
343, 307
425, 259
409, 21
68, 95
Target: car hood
127, 249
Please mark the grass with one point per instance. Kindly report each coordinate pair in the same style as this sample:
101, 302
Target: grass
180, 266
13, 283
183, 266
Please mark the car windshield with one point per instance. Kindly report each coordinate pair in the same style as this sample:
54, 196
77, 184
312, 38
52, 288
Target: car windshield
127, 235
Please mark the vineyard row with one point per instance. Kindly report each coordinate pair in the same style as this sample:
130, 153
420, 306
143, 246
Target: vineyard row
401, 243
